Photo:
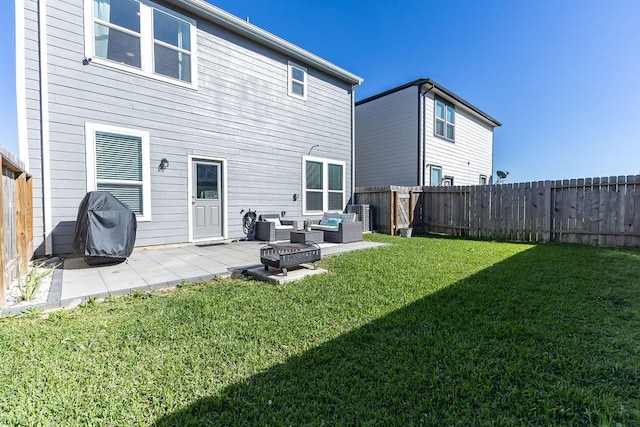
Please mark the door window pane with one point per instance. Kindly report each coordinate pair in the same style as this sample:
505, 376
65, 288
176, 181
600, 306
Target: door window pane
206, 181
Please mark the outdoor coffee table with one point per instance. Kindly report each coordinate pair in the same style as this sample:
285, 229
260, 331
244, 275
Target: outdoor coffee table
303, 236
287, 255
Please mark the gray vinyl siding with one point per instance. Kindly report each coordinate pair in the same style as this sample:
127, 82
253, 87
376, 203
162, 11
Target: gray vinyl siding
240, 112
387, 140
469, 156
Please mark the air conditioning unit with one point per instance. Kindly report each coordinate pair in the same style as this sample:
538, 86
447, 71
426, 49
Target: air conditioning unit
363, 213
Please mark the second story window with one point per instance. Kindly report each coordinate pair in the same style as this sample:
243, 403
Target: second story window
117, 31
172, 46
297, 81
445, 120
139, 36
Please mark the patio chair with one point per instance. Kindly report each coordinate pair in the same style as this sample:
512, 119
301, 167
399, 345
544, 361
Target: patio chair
270, 227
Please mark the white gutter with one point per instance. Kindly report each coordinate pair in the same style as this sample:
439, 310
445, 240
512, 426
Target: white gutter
21, 85
44, 126
237, 25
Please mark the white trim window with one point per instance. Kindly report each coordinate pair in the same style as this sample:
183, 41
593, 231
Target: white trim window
297, 81
483, 180
445, 117
435, 174
141, 37
117, 161
323, 183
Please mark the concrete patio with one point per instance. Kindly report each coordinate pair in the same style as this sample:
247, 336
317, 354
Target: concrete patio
156, 268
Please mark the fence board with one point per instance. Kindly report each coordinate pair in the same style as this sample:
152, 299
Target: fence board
16, 220
592, 211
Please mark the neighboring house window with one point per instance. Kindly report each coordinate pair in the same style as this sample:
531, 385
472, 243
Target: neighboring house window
445, 120
483, 179
117, 161
323, 185
436, 176
139, 35
297, 81
447, 181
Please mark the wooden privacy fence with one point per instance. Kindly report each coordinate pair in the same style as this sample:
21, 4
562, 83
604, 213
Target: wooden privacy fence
595, 211
16, 220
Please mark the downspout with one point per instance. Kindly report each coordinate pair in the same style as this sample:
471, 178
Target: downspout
422, 140
21, 85
353, 144
44, 126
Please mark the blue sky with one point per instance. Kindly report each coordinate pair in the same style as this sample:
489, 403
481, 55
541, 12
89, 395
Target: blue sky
562, 76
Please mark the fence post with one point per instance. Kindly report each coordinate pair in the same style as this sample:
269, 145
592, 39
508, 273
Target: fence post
548, 201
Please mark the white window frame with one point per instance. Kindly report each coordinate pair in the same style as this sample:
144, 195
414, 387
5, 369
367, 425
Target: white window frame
304, 83
147, 43
325, 184
92, 180
431, 168
483, 178
445, 122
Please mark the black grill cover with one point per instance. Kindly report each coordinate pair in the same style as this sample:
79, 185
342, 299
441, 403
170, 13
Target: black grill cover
105, 229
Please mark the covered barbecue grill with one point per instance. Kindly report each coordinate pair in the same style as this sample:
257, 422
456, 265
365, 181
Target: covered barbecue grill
105, 229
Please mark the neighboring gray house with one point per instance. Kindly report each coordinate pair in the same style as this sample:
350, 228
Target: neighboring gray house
186, 113
421, 134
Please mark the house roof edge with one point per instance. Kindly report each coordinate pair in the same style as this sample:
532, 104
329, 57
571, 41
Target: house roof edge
439, 87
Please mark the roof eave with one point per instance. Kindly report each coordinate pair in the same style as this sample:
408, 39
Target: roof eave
237, 25
421, 82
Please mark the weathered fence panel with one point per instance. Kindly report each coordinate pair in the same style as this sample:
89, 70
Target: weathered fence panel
595, 211
16, 220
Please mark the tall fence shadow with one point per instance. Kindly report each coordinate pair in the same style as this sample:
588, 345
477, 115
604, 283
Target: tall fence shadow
511, 344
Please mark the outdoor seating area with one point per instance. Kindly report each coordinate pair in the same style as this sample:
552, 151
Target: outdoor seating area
332, 228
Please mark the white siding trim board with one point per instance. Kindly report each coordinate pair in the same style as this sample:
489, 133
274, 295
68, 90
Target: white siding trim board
21, 84
44, 119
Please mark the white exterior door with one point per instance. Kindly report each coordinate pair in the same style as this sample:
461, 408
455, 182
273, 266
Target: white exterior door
206, 199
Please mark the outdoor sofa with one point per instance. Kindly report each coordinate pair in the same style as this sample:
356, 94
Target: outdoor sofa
340, 227
270, 228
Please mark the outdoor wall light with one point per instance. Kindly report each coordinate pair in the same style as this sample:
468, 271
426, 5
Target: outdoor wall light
164, 164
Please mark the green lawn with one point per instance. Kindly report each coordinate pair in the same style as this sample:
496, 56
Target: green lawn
425, 331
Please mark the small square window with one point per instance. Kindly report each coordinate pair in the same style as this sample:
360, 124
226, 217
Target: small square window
483, 179
297, 81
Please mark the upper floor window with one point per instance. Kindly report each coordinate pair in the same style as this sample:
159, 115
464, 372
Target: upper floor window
142, 37
445, 120
483, 179
297, 81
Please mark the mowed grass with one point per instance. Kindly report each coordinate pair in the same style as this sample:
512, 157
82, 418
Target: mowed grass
424, 331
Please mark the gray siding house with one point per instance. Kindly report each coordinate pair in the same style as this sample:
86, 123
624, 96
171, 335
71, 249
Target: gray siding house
186, 113
421, 134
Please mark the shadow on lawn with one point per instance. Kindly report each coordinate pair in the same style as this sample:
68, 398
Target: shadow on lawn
538, 338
